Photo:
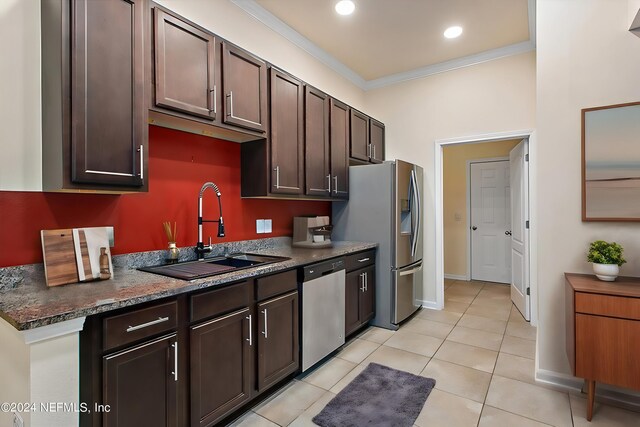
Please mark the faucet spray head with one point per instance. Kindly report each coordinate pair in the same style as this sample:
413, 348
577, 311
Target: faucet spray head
220, 228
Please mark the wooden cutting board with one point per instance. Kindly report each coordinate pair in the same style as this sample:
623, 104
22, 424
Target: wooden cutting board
59, 257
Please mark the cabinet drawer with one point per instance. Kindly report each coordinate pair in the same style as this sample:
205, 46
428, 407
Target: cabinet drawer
606, 305
138, 324
219, 301
361, 259
276, 284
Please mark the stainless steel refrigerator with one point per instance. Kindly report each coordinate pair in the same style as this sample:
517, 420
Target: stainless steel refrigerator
385, 206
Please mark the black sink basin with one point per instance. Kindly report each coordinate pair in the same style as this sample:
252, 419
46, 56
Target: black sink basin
191, 270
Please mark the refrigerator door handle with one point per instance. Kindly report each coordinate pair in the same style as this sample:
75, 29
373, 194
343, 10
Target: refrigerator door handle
415, 210
412, 271
419, 207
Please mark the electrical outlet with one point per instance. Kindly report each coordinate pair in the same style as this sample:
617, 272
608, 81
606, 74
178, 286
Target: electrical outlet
17, 420
259, 226
267, 226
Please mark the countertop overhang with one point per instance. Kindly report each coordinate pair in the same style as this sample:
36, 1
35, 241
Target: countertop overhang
32, 304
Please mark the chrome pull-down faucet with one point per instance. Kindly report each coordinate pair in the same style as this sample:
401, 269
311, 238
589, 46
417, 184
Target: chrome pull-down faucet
201, 249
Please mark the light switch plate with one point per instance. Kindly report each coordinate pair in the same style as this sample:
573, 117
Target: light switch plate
259, 226
267, 226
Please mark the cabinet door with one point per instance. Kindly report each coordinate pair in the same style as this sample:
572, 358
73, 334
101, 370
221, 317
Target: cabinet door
108, 113
287, 145
353, 289
316, 142
368, 295
221, 366
140, 385
278, 351
339, 142
376, 135
184, 67
359, 136
245, 88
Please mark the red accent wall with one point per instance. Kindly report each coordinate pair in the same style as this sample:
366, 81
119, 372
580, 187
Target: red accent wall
179, 163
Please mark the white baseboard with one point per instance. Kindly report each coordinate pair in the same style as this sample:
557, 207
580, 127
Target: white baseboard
604, 393
456, 277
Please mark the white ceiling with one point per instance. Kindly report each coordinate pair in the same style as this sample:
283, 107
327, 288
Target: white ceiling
388, 41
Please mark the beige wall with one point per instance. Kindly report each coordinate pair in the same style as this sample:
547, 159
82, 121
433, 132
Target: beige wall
586, 58
455, 179
20, 117
496, 96
20, 112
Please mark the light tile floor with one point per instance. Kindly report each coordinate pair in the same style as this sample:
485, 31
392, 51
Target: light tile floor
480, 351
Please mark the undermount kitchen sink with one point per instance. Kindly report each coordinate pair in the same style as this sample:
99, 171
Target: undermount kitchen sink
191, 270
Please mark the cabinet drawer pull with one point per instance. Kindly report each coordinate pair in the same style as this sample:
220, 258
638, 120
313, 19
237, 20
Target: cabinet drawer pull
361, 275
329, 183
250, 331
366, 282
265, 332
175, 361
374, 152
335, 184
363, 259
146, 325
141, 151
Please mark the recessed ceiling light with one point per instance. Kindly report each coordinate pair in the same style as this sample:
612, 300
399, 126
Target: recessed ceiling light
453, 32
345, 7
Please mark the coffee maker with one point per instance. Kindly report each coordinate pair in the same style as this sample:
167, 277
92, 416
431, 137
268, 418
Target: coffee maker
312, 232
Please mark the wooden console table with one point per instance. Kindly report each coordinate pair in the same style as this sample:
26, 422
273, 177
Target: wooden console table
603, 331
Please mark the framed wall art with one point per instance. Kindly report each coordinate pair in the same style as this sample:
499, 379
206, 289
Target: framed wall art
611, 163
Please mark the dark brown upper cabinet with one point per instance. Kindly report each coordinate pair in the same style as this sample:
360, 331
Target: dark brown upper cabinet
245, 88
339, 119
367, 139
287, 135
376, 138
94, 116
359, 143
317, 151
185, 76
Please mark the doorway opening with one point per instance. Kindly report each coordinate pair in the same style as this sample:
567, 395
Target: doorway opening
484, 212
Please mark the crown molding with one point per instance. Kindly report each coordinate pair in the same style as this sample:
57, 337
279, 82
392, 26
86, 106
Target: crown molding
252, 8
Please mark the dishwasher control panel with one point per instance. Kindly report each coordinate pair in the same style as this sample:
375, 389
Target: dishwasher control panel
320, 269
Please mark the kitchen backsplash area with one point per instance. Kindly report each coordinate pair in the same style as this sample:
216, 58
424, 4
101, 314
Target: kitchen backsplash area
179, 163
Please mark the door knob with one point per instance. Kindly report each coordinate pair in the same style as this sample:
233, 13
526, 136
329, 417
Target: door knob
507, 233
474, 228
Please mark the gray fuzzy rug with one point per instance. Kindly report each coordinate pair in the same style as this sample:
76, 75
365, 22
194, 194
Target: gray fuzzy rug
378, 396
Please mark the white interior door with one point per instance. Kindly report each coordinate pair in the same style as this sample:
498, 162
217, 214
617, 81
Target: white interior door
490, 221
520, 232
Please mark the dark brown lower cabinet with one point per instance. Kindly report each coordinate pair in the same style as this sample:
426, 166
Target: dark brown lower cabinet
222, 358
359, 298
278, 352
140, 385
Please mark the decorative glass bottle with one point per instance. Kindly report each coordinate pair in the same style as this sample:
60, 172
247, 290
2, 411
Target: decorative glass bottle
174, 252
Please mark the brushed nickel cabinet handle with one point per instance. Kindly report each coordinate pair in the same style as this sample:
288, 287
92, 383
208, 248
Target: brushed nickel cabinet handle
230, 103
175, 360
361, 276
146, 325
329, 183
213, 100
363, 259
265, 332
250, 331
335, 184
141, 151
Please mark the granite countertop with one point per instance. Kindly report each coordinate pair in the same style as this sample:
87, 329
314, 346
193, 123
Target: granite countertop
29, 303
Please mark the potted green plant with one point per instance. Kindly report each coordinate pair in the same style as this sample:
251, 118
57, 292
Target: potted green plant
606, 258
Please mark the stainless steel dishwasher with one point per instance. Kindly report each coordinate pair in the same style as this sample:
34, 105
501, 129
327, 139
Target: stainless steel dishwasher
323, 295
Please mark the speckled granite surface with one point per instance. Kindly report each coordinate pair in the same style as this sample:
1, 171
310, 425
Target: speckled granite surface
26, 302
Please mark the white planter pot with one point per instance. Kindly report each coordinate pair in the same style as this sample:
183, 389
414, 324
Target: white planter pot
606, 272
